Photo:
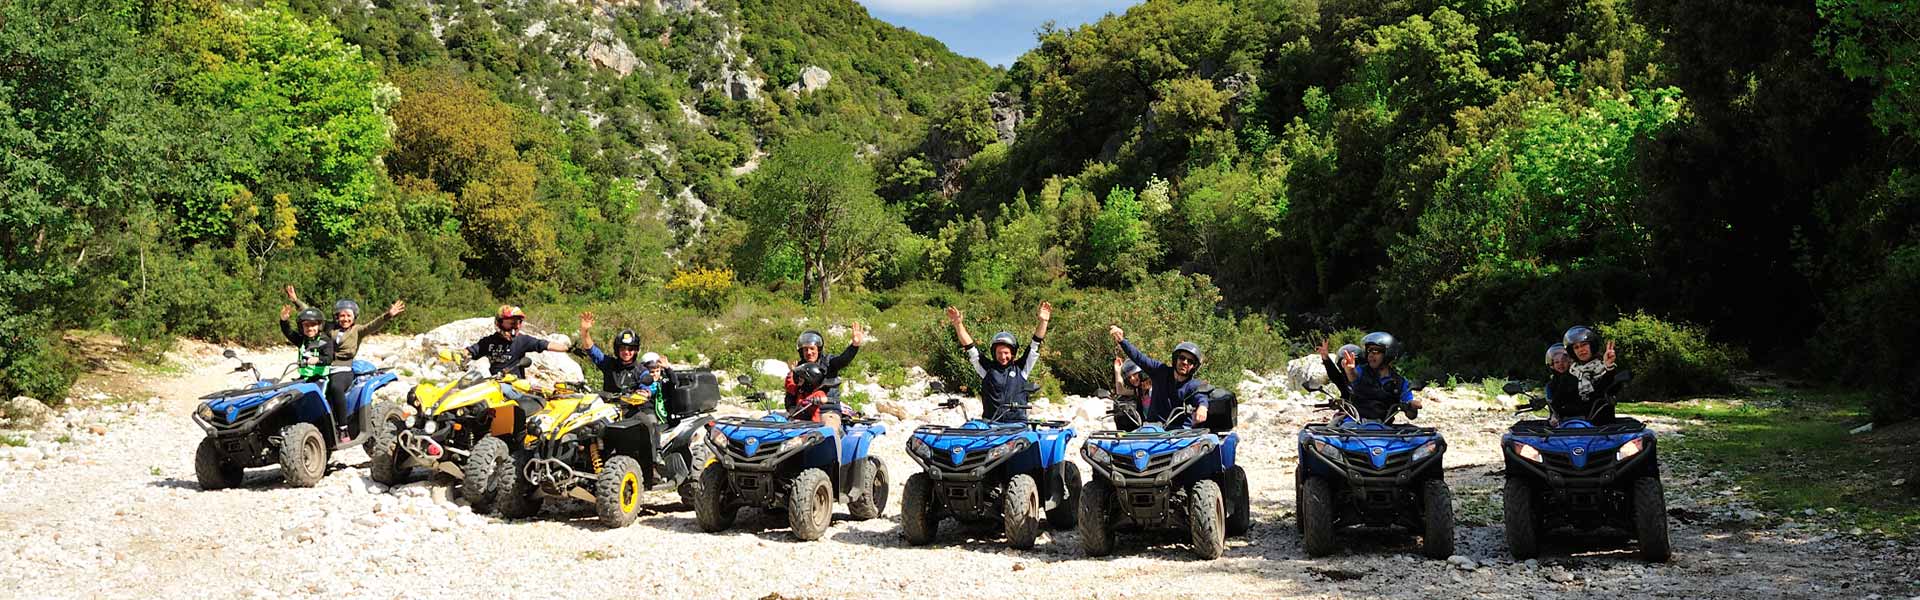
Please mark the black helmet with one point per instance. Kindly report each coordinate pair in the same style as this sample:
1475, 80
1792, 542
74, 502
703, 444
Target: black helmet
1193, 350
809, 338
1004, 337
808, 376
310, 314
1556, 349
1128, 369
1580, 334
1389, 347
626, 339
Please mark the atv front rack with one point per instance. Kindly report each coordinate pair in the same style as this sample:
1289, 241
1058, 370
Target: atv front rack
1396, 432
1146, 435
1540, 428
944, 430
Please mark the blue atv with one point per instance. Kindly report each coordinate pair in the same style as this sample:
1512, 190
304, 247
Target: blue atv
1161, 478
1371, 473
284, 421
775, 463
987, 469
1583, 473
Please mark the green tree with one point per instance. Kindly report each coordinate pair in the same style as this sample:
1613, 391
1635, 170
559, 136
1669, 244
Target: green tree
815, 194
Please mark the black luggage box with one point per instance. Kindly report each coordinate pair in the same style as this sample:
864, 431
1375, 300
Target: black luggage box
693, 391
1221, 405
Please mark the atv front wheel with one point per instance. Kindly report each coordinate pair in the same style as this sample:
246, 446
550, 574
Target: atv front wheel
1206, 519
698, 456
616, 494
303, 455
1650, 519
1066, 504
1522, 524
1316, 516
515, 495
917, 522
710, 508
488, 455
1436, 538
1096, 517
1239, 507
869, 490
211, 467
1020, 511
810, 505
386, 464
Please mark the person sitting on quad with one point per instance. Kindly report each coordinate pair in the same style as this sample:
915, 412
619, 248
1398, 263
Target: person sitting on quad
620, 372
1341, 377
1130, 387
808, 348
1561, 384
505, 347
1173, 385
347, 334
1592, 374
1003, 378
1377, 386
312, 345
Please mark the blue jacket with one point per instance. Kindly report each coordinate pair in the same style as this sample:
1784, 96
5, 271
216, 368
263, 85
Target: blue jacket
1168, 393
1374, 394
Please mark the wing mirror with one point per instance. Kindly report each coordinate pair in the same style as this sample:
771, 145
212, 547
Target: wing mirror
229, 353
1513, 388
1418, 385
1622, 376
1103, 394
936, 387
745, 379
1312, 386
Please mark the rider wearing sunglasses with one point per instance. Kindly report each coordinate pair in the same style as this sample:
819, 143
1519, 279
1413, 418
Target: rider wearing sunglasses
1172, 385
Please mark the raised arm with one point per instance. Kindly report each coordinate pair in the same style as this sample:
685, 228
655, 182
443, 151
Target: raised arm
295, 299
841, 360
959, 327
1139, 358
380, 321
586, 331
286, 328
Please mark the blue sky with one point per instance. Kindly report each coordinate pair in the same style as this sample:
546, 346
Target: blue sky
996, 31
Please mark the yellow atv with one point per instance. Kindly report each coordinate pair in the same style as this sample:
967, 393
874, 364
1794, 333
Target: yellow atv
598, 449
466, 429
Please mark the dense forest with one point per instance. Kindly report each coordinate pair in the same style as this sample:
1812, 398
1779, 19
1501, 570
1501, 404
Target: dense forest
1716, 184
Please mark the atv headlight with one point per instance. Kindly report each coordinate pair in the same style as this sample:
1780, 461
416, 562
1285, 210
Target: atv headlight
1003, 450
1425, 450
536, 426
799, 442
1096, 455
1326, 449
1632, 447
205, 412
716, 437
919, 448
1191, 452
1527, 452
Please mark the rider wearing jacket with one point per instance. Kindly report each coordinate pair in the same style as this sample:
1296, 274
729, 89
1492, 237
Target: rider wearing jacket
1592, 376
1377, 386
1173, 385
347, 334
1003, 377
808, 348
505, 347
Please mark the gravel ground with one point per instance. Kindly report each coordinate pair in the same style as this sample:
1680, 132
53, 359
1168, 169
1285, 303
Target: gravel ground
102, 503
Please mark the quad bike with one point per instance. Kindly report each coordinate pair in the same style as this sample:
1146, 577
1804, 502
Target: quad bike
466, 430
597, 448
285, 421
1584, 474
1371, 473
990, 469
775, 462
1161, 478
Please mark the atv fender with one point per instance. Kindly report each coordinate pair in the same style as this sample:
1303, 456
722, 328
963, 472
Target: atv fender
681, 436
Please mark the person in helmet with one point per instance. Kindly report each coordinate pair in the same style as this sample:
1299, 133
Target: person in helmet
347, 333
1377, 386
1341, 377
313, 347
1592, 373
505, 347
1131, 387
809, 348
1172, 385
1003, 376
620, 372
1562, 390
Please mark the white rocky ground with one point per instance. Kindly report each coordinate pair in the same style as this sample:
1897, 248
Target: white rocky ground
102, 503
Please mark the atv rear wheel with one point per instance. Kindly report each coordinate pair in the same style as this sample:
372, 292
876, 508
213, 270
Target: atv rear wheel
210, 466
1066, 506
303, 455
1316, 517
488, 456
1020, 511
1523, 526
616, 493
386, 464
517, 497
710, 508
1207, 519
869, 490
917, 522
1650, 519
698, 455
810, 505
1239, 506
1436, 538
1096, 517
1299, 518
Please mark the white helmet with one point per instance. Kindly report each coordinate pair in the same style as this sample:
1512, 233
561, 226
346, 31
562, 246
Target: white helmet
649, 358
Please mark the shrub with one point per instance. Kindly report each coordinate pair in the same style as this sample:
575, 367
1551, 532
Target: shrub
1156, 314
705, 289
1876, 318
1670, 360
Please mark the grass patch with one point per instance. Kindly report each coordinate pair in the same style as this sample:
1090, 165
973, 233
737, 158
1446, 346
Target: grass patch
64, 439
1791, 451
598, 555
155, 471
16, 441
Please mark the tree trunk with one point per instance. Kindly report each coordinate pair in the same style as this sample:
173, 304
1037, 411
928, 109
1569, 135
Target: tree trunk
821, 261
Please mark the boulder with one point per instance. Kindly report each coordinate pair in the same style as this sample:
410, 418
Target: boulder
771, 367
812, 79
25, 413
1306, 369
